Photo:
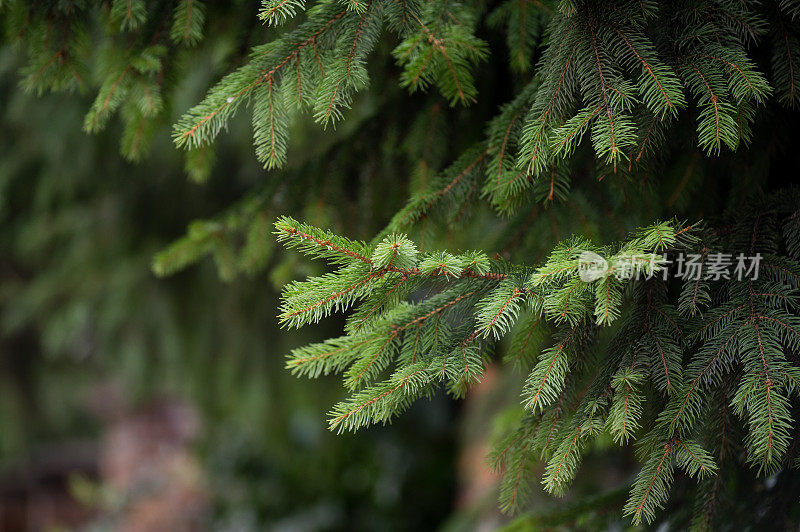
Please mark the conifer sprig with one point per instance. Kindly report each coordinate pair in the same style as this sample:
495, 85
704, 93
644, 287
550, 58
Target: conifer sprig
580, 383
321, 65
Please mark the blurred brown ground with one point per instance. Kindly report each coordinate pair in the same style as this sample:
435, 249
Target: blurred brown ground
146, 474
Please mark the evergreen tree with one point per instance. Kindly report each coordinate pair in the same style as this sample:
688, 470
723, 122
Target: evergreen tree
653, 133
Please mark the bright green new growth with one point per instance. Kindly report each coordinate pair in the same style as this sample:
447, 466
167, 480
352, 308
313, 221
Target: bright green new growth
589, 378
276, 12
619, 74
320, 65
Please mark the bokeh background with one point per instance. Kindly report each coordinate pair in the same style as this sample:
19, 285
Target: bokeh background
133, 402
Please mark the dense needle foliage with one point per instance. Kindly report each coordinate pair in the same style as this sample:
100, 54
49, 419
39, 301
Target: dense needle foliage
617, 114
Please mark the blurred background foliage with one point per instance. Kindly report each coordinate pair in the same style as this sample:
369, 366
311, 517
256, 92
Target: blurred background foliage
88, 335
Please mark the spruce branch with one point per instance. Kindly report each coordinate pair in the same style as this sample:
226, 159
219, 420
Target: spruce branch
572, 393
